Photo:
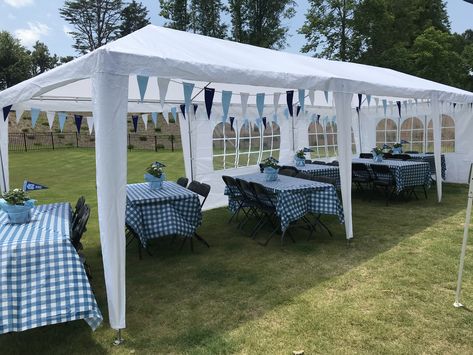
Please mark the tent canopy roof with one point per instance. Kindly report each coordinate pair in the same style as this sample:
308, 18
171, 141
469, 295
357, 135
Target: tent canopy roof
162, 52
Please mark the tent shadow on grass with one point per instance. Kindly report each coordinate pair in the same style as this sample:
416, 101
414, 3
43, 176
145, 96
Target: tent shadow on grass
181, 302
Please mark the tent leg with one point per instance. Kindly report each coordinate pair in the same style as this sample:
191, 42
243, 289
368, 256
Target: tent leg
457, 303
118, 340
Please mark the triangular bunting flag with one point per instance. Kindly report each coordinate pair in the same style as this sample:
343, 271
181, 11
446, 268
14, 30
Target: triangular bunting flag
6, 111
34, 116
154, 118
50, 115
298, 110
209, 99
385, 106
142, 85
78, 122
360, 99
163, 85
62, 120
226, 99
301, 94
326, 95
276, 97
19, 109
174, 113
244, 103
398, 103
312, 97
232, 119
188, 88
195, 108
376, 100
183, 110
144, 117
264, 122
260, 104
134, 119
368, 99
90, 123
290, 102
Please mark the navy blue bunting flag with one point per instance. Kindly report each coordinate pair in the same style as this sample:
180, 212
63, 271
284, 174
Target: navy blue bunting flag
6, 111
209, 99
264, 122
78, 121
232, 119
357, 110
318, 118
195, 108
399, 107
360, 98
134, 118
31, 186
183, 110
454, 105
290, 102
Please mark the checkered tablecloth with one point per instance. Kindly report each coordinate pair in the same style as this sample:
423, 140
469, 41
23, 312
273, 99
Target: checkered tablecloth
154, 213
42, 280
406, 173
429, 158
297, 197
322, 170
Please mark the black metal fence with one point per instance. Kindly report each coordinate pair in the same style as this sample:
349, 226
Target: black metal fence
38, 141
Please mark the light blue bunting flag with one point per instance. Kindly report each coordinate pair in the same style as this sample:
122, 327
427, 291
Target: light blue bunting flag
34, 116
286, 113
142, 85
62, 120
334, 119
385, 106
405, 106
226, 99
326, 95
301, 93
154, 118
260, 104
368, 99
258, 122
246, 123
188, 88
174, 113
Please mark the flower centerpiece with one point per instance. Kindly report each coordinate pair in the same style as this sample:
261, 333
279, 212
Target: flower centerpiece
270, 168
17, 205
299, 158
386, 149
155, 175
377, 154
397, 148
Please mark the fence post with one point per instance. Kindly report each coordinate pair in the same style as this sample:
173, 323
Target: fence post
172, 142
155, 143
52, 140
24, 140
129, 142
77, 140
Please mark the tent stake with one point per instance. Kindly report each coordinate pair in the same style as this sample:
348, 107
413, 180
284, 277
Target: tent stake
118, 340
457, 303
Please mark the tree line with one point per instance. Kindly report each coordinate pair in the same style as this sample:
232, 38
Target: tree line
412, 36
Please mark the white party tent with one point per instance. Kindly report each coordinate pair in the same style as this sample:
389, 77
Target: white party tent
104, 82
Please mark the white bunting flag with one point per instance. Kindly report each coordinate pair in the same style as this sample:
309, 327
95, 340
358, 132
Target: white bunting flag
244, 103
144, 117
19, 109
312, 97
276, 97
376, 101
50, 115
90, 124
163, 85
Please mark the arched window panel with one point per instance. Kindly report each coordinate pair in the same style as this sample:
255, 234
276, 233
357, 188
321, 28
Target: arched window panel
447, 135
224, 146
353, 144
386, 132
317, 140
271, 141
331, 139
249, 145
412, 131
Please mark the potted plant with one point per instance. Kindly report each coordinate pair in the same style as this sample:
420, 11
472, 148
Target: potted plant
270, 168
377, 154
299, 158
386, 149
17, 205
155, 175
397, 148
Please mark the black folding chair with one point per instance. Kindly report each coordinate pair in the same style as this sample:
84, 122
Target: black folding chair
303, 175
77, 210
202, 190
383, 178
308, 161
412, 152
318, 162
80, 227
401, 157
131, 235
360, 175
288, 170
182, 181
235, 195
366, 155
249, 200
334, 163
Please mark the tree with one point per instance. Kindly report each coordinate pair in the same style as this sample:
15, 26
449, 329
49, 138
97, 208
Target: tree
176, 12
15, 63
328, 28
41, 59
205, 18
259, 22
134, 16
95, 22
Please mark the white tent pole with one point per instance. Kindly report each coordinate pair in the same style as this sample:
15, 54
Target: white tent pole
465, 240
344, 123
436, 120
110, 94
4, 155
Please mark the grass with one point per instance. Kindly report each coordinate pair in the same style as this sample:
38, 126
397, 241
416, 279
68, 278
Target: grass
390, 291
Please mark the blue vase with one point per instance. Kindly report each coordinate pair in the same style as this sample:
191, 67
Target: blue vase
155, 182
397, 150
377, 158
299, 161
18, 214
270, 174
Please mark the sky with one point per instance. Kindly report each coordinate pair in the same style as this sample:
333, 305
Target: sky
32, 20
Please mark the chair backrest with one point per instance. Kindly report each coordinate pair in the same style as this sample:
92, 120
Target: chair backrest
80, 226
261, 167
382, 172
245, 190
325, 179
360, 170
401, 157
366, 155
333, 163
388, 156
318, 162
308, 161
412, 152
200, 189
182, 181
288, 170
79, 205
264, 197
303, 175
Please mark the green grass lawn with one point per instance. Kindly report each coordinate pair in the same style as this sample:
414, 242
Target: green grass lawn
390, 291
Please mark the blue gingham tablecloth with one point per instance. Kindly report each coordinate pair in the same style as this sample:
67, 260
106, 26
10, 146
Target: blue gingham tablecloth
42, 280
406, 173
297, 197
322, 170
429, 158
154, 213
